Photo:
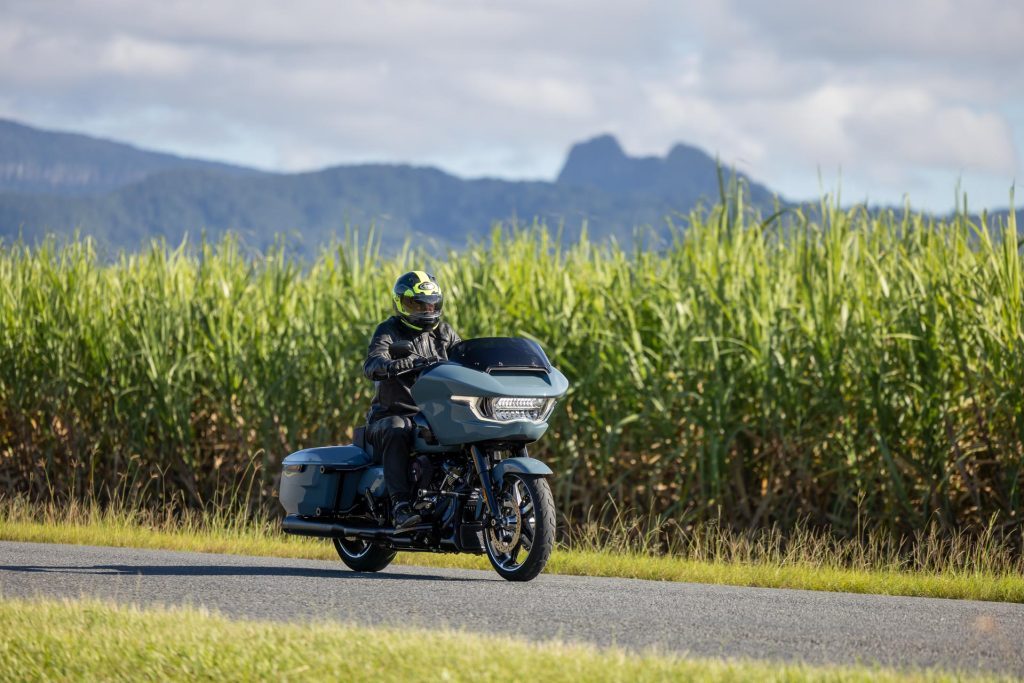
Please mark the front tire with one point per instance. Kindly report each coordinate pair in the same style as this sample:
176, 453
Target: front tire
521, 543
363, 556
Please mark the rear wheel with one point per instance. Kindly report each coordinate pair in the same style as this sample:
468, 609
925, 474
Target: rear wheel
520, 542
363, 556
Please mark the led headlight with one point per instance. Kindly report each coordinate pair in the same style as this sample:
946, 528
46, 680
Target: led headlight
508, 409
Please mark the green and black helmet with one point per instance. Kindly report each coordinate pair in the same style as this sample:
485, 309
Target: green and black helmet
418, 300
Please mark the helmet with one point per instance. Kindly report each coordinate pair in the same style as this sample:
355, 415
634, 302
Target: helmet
418, 300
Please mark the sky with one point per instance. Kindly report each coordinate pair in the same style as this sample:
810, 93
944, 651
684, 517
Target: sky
882, 99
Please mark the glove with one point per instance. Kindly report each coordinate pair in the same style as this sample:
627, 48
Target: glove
427, 361
400, 365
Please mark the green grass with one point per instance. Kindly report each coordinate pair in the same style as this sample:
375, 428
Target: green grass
90, 640
810, 562
833, 366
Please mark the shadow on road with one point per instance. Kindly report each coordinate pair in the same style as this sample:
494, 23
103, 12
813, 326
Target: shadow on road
224, 570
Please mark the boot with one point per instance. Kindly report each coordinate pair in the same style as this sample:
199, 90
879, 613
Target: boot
403, 514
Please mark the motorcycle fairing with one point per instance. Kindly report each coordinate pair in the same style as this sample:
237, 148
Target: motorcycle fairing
454, 422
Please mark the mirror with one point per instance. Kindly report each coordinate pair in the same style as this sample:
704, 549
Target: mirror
400, 349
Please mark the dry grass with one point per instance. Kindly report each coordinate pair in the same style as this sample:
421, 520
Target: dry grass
978, 568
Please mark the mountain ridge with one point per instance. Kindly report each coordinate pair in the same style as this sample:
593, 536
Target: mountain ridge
34, 160
136, 195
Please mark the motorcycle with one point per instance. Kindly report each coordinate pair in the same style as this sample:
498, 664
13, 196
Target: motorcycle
478, 490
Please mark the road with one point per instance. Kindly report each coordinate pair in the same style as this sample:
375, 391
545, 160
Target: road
695, 619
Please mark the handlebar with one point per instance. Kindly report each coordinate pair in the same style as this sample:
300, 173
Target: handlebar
420, 367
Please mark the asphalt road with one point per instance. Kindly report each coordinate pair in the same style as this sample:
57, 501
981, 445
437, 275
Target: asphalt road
701, 620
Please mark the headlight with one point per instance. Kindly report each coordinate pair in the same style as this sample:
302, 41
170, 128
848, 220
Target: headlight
508, 409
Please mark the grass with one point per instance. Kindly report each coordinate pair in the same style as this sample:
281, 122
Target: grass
90, 640
831, 364
970, 569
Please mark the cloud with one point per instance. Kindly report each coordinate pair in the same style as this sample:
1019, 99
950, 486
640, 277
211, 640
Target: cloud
136, 57
979, 32
889, 92
896, 91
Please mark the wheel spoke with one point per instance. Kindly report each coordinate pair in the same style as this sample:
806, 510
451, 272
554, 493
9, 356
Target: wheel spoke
355, 549
526, 537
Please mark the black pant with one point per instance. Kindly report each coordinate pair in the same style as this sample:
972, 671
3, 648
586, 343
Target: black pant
392, 439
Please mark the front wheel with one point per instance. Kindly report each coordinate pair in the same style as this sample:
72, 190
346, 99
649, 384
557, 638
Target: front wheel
363, 556
520, 542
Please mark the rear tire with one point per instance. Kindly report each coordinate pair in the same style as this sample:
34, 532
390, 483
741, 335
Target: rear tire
533, 539
362, 556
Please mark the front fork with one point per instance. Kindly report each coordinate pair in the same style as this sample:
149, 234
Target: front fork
483, 470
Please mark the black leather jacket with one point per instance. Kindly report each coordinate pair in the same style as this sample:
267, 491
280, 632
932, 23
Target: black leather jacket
393, 395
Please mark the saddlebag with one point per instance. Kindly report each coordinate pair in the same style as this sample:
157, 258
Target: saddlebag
318, 482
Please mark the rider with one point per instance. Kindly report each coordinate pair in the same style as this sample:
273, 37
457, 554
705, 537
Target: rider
417, 300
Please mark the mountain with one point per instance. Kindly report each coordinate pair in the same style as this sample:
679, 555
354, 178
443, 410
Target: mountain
55, 183
38, 161
687, 174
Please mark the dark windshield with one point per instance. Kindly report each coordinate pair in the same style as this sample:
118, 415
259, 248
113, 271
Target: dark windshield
500, 353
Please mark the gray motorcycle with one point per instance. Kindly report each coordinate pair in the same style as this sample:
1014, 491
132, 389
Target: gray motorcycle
478, 491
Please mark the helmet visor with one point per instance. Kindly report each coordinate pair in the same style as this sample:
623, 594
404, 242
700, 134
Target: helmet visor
421, 305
